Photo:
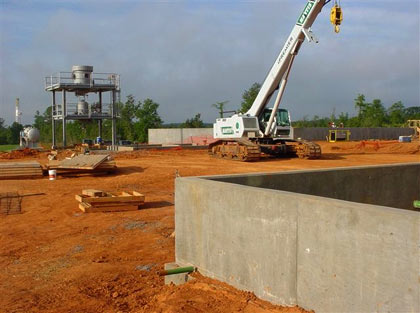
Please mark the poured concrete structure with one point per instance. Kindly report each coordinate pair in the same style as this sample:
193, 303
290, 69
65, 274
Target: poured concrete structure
334, 240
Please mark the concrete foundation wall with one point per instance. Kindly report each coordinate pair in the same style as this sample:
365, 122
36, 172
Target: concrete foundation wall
324, 254
183, 135
380, 185
177, 135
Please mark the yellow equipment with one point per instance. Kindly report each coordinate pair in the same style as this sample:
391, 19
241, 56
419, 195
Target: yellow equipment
336, 16
338, 135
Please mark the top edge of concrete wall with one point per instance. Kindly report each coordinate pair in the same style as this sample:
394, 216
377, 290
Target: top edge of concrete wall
327, 169
325, 200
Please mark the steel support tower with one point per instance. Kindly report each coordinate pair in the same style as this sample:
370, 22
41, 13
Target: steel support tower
82, 81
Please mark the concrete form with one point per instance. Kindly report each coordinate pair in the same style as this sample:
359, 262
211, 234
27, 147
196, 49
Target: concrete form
333, 240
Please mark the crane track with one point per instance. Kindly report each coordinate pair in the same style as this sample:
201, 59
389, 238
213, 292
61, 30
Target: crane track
307, 150
238, 150
248, 151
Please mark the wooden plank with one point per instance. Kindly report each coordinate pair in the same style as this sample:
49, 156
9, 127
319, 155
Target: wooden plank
19, 164
87, 208
108, 200
17, 170
93, 192
111, 199
85, 162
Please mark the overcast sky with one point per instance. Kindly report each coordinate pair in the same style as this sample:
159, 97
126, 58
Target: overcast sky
186, 55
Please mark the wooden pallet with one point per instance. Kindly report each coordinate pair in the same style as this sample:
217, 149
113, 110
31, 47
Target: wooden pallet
92, 200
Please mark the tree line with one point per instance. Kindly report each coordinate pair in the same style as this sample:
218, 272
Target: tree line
136, 117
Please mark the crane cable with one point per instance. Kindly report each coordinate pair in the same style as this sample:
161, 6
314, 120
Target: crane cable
336, 16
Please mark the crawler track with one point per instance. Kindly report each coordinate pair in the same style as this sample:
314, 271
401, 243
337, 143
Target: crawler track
239, 150
306, 149
248, 151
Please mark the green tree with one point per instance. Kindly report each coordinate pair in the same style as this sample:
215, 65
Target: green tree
412, 113
360, 104
396, 114
128, 111
220, 107
3, 132
374, 114
13, 133
194, 122
148, 117
249, 96
43, 124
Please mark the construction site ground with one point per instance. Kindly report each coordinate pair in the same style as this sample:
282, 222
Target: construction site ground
55, 258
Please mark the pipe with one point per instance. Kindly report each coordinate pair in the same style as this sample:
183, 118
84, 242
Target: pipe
178, 270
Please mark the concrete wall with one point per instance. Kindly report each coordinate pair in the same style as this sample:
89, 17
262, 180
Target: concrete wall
391, 185
177, 135
357, 133
324, 254
180, 136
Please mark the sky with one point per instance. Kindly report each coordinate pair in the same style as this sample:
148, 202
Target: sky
187, 55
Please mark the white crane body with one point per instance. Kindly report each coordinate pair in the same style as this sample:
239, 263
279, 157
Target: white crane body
259, 125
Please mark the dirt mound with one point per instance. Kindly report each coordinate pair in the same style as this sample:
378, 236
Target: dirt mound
19, 154
376, 146
219, 297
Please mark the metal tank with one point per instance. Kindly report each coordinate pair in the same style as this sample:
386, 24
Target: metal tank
82, 107
82, 74
29, 137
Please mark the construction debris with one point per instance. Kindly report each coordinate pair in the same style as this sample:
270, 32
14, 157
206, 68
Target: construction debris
10, 170
19, 154
10, 202
92, 200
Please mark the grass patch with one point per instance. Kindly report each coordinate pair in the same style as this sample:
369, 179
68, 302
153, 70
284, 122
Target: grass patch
7, 148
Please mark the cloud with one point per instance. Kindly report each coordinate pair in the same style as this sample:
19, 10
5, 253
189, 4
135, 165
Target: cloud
188, 55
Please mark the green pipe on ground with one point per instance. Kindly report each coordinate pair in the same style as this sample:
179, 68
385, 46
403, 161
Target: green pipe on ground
178, 270
416, 204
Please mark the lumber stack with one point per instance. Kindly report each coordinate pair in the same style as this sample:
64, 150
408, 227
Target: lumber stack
92, 200
9, 170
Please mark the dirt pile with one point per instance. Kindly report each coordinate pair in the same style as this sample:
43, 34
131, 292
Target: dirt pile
374, 146
19, 154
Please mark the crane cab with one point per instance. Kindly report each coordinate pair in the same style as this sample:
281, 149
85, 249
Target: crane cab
282, 126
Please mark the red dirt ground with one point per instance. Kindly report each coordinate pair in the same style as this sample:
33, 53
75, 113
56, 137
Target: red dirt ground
54, 258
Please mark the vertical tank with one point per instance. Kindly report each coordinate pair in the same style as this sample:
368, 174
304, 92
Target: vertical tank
82, 107
81, 74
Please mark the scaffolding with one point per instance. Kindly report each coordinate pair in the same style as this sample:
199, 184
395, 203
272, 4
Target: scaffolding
82, 81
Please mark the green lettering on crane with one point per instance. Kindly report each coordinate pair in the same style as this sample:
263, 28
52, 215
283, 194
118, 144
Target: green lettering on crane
305, 13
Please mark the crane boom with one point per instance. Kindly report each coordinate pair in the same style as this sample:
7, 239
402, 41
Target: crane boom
283, 61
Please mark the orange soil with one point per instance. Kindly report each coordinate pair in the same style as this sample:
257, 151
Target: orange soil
54, 258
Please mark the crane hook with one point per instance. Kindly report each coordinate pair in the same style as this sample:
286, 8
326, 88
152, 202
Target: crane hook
336, 16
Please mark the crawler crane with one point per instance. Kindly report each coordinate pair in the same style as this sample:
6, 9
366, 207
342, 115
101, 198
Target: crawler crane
245, 137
